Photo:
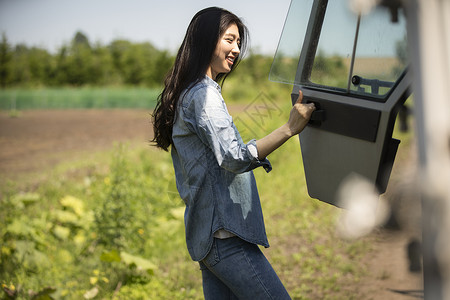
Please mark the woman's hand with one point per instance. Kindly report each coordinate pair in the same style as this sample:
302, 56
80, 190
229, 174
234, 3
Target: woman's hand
298, 118
300, 115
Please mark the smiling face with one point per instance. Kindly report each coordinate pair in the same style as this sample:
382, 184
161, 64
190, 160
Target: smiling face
227, 50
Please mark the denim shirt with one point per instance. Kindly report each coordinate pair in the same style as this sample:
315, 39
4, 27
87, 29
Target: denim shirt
213, 170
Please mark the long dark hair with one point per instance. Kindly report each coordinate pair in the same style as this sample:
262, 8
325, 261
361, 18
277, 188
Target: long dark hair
191, 63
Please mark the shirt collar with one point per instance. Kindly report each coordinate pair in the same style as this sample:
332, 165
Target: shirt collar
208, 80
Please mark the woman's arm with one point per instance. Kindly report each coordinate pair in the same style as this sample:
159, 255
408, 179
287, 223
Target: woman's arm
298, 118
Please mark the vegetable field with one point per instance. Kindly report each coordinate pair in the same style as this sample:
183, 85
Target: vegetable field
91, 211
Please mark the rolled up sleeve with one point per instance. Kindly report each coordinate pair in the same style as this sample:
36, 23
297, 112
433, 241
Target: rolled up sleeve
253, 152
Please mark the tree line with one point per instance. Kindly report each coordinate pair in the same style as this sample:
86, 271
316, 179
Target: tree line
82, 63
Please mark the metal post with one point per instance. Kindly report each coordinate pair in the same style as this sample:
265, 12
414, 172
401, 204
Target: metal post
429, 40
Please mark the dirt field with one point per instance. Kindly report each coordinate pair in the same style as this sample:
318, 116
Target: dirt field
39, 140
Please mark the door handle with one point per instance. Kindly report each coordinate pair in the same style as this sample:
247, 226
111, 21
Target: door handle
318, 115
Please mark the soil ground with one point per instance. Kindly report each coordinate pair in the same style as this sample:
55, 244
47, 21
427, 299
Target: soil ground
38, 140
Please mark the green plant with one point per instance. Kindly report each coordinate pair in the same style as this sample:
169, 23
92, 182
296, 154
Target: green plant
113, 228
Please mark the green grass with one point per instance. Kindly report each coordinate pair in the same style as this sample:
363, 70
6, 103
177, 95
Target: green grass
70, 232
85, 97
112, 225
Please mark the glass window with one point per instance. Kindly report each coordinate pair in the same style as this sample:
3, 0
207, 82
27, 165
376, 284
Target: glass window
285, 63
340, 51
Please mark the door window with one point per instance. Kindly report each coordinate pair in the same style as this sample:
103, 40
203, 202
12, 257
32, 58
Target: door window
341, 51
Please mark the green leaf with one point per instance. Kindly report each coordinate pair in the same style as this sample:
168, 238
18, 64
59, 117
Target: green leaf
36, 259
139, 262
110, 256
26, 198
23, 248
20, 227
64, 216
75, 204
61, 232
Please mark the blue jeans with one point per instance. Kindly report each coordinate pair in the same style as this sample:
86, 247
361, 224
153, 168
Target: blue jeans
236, 269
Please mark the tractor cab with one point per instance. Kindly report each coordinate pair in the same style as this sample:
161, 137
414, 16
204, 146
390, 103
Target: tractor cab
353, 67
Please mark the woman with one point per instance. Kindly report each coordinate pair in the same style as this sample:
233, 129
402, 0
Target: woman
223, 218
